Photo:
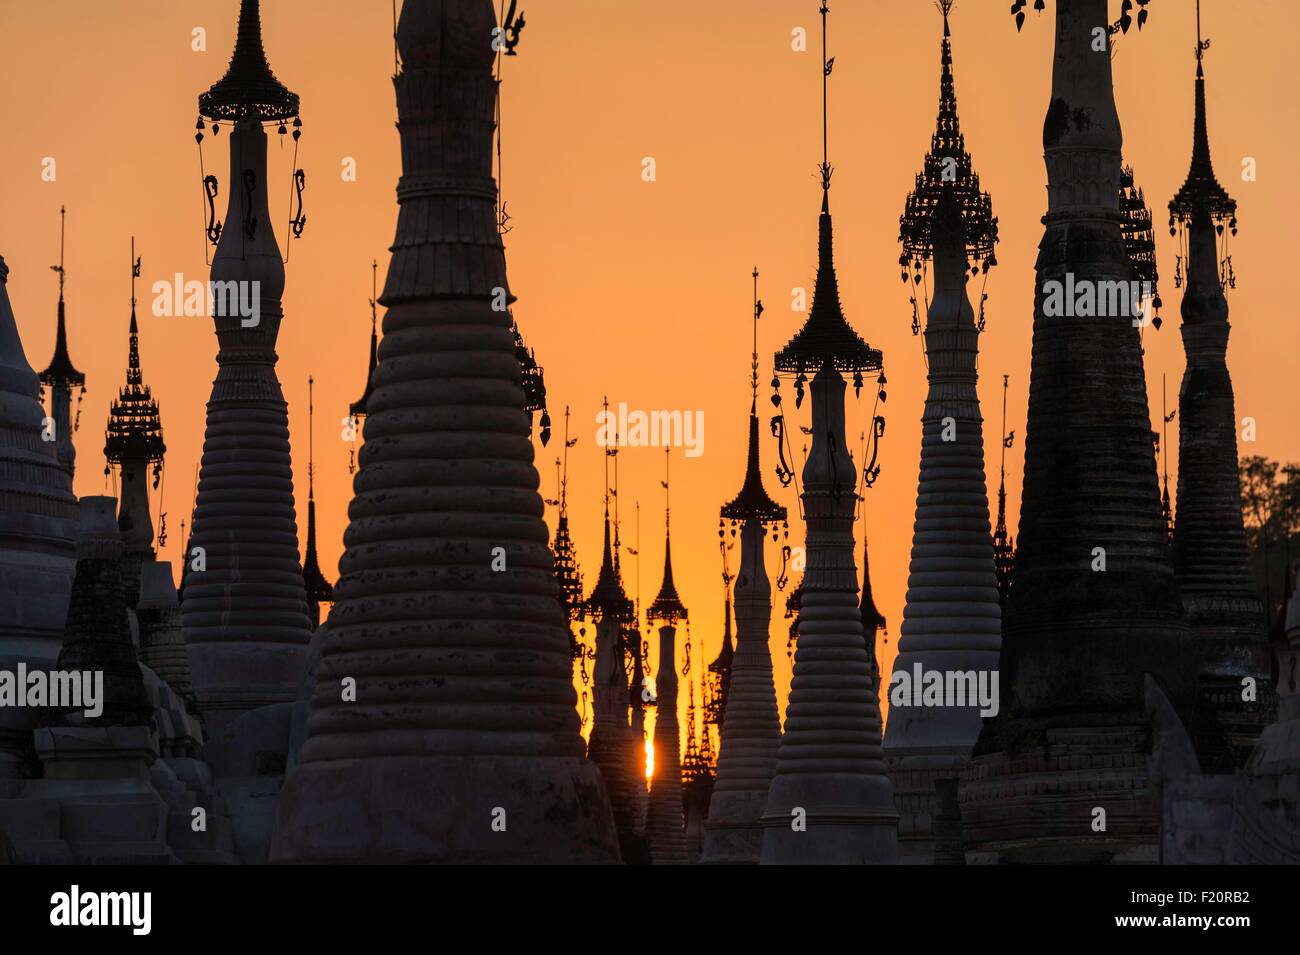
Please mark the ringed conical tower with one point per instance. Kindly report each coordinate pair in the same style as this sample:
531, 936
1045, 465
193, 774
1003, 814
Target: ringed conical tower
1224, 611
1095, 606
38, 530
458, 741
245, 611
751, 725
951, 622
830, 800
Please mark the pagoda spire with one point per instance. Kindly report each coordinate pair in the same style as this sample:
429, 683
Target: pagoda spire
749, 724
567, 575
1095, 606
1225, 615
832, 729
319, 589
951, 620
358, 408
446, 608
134, 443
1004, 555
665, 833
61, 376
245, 613
612, 745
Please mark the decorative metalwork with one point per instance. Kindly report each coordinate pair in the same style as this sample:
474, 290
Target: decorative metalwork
134, 431
947, 204
512, 25
533, 382
1201, 194
298, 222
1139, 237
60, 372
249, 88
210, 190
1122, 25
249, 92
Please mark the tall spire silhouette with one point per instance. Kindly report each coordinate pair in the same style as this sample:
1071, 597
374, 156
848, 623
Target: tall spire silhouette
1095, 605
665, 832
1225, 614
133, 442
1004, 554
750, 726
951, 620
61, 376
446, 611
830, 769
319, 589
245, 612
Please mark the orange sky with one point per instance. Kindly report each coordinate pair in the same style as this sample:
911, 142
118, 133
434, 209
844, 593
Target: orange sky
636, 290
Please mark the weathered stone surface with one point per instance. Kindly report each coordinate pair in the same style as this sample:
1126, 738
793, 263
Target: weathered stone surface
162, 640
1077, 642
98, 634
462, 742
38, 522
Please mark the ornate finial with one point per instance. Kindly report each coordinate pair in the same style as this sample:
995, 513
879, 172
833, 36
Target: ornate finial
945, 7
947, 197
60, 371
63, 221
826, 339
358, 408
758, 313
249, 87
311, 441
827, 66
667, 606
134, 429
1201, 191
319, 589
753, 501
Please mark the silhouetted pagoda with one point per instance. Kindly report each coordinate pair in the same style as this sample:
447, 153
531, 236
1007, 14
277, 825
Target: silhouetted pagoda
358, 408
1224, 611
665, 832
749, 725
1095, 605
1004, 552
612, 746
446, 611
245, 613
951, 621
61, 376
319, 589
830, 800
133, 441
